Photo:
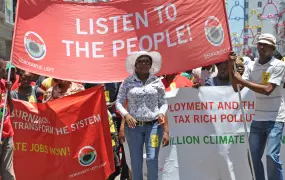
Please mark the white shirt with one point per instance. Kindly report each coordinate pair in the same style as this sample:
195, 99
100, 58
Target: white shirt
202, 75
247, 63
272, 107
145, 101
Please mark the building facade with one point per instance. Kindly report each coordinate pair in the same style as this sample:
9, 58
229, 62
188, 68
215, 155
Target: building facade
265, 16
7, 18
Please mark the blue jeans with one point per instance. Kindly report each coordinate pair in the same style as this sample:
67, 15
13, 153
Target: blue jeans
136, 139
270, 133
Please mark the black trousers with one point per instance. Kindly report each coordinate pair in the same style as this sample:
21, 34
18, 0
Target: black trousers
124, 166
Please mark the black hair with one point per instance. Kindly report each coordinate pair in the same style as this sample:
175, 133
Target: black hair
144, 56
219, 63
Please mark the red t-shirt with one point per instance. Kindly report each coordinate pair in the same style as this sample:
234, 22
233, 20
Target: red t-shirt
178, 82
7, 126
15, 85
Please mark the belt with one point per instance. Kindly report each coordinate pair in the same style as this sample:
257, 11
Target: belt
142, 123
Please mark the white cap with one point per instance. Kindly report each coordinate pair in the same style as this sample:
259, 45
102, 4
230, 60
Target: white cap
156, 61
267, 39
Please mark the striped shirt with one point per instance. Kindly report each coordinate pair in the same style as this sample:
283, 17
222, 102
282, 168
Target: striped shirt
272, 107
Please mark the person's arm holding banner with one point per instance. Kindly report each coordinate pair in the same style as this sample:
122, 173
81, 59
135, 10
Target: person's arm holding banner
232, 59
10, 101
244, 81
165, 138
162, 118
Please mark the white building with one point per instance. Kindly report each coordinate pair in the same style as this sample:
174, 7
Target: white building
7, 10
263, 15
281, 29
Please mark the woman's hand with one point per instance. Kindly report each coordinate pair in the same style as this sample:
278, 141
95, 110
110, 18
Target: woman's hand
130, 121
165, 139
161, 119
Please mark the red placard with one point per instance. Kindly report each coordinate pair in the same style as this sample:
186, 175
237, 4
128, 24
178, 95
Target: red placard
68, 138
88, 41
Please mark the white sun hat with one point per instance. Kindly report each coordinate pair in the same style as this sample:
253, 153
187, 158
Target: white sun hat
267, 38
156, 61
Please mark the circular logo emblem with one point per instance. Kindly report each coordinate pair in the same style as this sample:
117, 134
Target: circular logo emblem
214, 31
87, 155
35, 46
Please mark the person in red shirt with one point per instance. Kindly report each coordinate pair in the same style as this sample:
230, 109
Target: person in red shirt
14, 77
7, 143
173, 81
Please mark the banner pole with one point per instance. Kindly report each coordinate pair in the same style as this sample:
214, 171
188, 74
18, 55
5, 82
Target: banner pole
245, 128
5, 102
9, 72
240, 102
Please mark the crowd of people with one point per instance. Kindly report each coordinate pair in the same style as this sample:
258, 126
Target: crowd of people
137, 106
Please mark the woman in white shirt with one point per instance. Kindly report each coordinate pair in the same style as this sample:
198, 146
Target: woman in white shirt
144, 116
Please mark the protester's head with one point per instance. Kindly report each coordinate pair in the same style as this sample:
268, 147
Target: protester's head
64, 85
223, 72
240, 65
144, 63
35, 77
13, 71
25, 79
19, 71
266, 45
2, 68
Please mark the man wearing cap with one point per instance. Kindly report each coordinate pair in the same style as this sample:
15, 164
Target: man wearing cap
266, 78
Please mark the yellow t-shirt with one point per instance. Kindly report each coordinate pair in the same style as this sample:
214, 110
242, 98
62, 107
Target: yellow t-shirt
47, 83
112, 127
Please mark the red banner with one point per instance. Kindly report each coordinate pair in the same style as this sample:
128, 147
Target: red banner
88, 41
68, 138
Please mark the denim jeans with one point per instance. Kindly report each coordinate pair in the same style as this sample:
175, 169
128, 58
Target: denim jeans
136, 138
270, 133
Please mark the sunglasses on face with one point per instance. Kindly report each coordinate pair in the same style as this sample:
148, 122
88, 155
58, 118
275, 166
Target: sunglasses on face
143, 61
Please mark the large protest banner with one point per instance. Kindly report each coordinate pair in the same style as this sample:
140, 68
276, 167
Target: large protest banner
68, 138
89, 40
207, 136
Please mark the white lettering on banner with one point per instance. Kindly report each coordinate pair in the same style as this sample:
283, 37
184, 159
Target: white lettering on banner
126, 23
207, 139
148, 42
67, 43
95, 49
85, 122
33, 127
216, 53
31, 64
83, 49
99, 24
88, 170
